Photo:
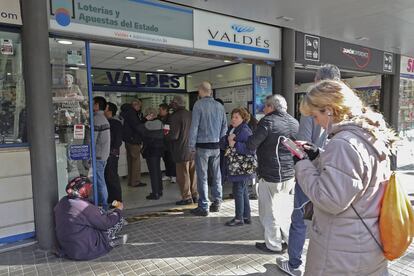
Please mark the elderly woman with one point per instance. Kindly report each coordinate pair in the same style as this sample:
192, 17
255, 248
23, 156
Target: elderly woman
239, 166
345, 181
153, 150
84, 231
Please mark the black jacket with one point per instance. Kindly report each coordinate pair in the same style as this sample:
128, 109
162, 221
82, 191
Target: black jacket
153, 139
265, 139
116, 135
132, 130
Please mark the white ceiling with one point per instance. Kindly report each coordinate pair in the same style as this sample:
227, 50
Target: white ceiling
113, 57
388, 24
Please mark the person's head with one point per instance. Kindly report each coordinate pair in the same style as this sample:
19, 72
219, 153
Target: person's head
69, 80
219, 101
238, 116
152, 112
275, 103
331, 102
136, 104
204, 89
163, 110
110, 110
79, 187
328, 72
99, 103
177, 101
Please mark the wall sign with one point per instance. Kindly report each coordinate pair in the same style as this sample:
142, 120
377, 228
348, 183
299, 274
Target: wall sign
407, 67
79, 152
262, 89
10, 12
311, 46
235, 37
111, 80
79, 132
342, 54
148, 21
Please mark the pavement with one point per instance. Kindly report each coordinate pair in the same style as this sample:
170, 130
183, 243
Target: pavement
173, 242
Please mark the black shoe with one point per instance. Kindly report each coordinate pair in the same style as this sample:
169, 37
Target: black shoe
141, 184
247, 220
262, 246
195, 199
184, 202
199, 212
153, 196
235, 222
215, 207
119, 240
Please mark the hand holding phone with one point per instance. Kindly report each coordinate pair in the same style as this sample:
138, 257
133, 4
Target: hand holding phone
295, 149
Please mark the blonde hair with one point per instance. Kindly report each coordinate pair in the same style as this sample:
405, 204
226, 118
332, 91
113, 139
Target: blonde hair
151, 110
244, 114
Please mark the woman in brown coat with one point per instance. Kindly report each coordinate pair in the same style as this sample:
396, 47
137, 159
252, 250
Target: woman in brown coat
351, 171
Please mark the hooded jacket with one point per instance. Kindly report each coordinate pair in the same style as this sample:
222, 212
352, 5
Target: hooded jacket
353, 169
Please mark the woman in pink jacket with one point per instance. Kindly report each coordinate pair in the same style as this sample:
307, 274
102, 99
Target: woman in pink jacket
347, 178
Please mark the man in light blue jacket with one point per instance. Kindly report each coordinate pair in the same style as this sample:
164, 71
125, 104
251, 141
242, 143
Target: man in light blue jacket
208, 125
309, 131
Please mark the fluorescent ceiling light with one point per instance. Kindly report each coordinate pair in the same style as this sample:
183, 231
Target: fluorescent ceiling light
74, 68
65, 42
189, 76
126, 72
226, 61
133, 78
130, 58
8, 74
119, 81
160, 70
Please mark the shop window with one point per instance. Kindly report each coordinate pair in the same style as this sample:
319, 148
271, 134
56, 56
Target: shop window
13, 128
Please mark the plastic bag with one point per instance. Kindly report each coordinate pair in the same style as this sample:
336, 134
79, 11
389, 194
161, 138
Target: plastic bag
396, 220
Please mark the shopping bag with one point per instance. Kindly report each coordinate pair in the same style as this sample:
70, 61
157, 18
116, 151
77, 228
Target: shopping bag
396, 220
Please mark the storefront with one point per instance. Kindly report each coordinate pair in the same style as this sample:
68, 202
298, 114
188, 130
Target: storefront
361, 67
15, 174
120, 52
406, 114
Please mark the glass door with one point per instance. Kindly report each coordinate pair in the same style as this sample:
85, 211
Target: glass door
71, 110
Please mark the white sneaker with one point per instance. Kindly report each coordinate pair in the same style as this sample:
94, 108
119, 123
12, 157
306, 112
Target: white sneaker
173, 179
165, 178
284, 266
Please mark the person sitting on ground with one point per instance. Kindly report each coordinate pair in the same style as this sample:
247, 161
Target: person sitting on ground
84, 231
238, 170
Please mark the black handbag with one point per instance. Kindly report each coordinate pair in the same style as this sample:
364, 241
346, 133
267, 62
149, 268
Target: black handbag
308, 210
240, 164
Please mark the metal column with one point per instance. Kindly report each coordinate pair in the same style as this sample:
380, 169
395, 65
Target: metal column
37, 73
288, 69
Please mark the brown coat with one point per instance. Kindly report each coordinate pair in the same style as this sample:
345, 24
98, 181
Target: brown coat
180, 122
352, 169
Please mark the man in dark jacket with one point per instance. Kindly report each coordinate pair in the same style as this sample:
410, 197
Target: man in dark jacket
83, 231
111, 170
132, 116
275, 172
180, 122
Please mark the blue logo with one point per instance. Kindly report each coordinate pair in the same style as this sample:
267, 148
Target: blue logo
242, 29
62, 17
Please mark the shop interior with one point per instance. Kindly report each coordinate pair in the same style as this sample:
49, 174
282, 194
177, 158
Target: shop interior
121, 74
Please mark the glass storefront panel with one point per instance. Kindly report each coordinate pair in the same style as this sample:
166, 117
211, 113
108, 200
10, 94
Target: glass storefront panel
406, 124
12, 96
71, 110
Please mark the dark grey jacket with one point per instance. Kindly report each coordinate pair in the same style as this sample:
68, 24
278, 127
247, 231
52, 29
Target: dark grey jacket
265, 139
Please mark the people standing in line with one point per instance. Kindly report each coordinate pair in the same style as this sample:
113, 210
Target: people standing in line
180, 122
133, 120
311, 132
208, 125
164, 116
111, 170
102, 141
275, 172
83, 231
345, 182
152, 151
241, 174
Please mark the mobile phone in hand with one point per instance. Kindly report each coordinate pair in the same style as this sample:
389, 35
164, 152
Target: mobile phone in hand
294, 148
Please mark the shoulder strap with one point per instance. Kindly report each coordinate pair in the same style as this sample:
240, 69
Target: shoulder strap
366, 226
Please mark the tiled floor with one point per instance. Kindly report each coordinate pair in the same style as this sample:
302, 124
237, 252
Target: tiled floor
173, 244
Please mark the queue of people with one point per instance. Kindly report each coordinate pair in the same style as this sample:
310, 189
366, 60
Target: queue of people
343, 171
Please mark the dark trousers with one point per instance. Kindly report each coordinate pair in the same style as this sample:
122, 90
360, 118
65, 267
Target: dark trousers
154, 168
112, 179
241, 199
169, 164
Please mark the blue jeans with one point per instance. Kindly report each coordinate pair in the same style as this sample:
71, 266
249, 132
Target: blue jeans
208, 159
241, 199
101, 184
297, 230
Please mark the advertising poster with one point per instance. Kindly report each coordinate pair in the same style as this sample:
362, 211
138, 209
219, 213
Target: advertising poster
262, 89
